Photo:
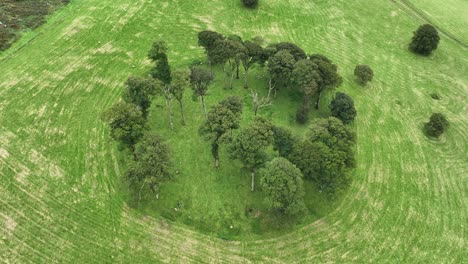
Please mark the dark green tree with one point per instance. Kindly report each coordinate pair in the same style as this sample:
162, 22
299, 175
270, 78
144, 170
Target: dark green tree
250, 3
437, 125
280, 67
307, 77
364, 74
180, 81
161, 70
151, 166
126, 123
140, 92
282, 182
329, 77
249, 146
207, 39
284, 140
425, 40
253, 52
200, 80
222, 119
293, 49
326, 155
342, 107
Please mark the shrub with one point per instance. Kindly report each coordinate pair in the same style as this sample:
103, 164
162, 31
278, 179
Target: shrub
250, 3
437, 125
364, 74
425, 40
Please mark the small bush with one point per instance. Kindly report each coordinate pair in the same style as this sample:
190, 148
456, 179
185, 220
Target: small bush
364, 74
437, 125
250, 3
436, 96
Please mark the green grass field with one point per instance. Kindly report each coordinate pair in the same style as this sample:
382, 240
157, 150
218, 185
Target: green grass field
61, 197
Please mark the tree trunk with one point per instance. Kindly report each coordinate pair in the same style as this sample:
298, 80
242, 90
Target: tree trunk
237, 69
132, 149
139, 193
182, 112
204, 106
217, 163
232, 76
252, 187
211, 68
255, 109
246, 79
169, 111
224, 75
318, 100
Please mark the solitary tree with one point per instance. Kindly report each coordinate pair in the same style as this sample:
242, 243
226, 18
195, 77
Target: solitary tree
151, 167
140, 91
437, 125
425, 40
250, 3
293, 49
207, 39
306, 75
253, 51
259, 101
180, 81
249, 146
222, 118
364, 74
342, 107
220, 54
282, 183
200, 79
280, 67
325, 155
329, 77
126, 123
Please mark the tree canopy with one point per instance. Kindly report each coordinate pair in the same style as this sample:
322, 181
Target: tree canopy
364, 74
425, 40
293, 49
342, 107
126, 123
282, 183
140, 91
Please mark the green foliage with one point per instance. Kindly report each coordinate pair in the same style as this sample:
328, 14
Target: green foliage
282, 183
284, 140
207, 38
151, 167
329, 77
222, 118
162, 70
140, 91
200, 80
325, 154
180, 81
425, 40
249, 146
250, 3
342, 107
126, 123
293, 49
364, 74
158, 51
437, 125
280, 67
307, 77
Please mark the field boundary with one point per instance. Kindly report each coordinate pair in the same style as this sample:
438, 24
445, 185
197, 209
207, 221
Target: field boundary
419, 14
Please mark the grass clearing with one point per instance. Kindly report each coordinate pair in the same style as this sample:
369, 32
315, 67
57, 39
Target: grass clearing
408, 202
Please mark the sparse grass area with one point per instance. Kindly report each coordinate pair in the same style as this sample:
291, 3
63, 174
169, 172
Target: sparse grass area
61, 200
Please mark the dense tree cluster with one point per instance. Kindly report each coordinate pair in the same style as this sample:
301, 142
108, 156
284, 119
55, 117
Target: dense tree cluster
437, 125
425, 40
